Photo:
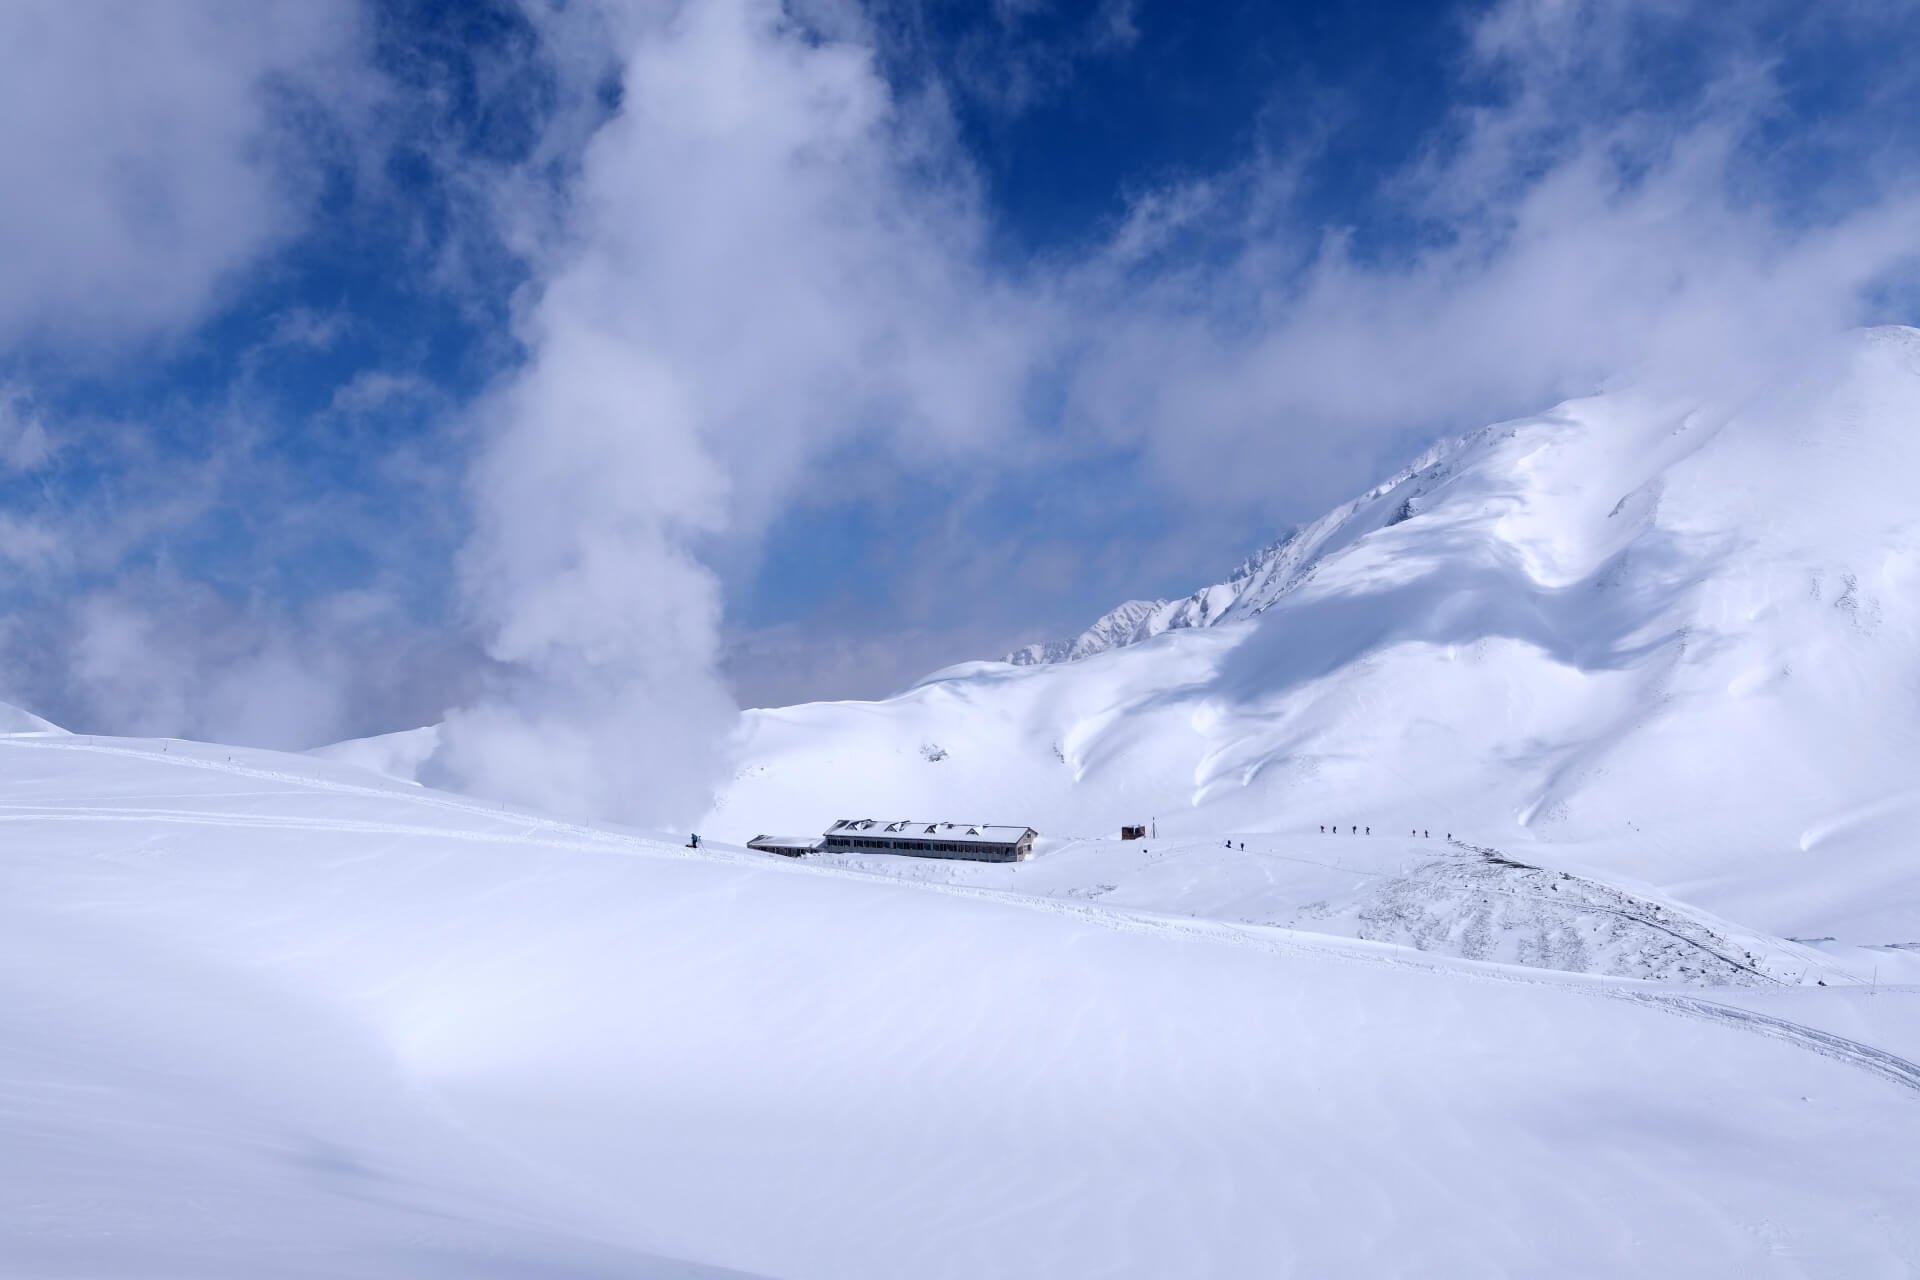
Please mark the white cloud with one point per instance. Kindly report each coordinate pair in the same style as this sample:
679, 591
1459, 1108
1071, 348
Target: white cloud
1569, 233
771, 274
155, 156
771, 262
768, 257
372, 389
308, 328
163, 656
144, 161
25, 444
28, 545
1013, 55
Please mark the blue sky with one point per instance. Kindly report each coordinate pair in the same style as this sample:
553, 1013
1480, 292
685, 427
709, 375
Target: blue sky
370, 362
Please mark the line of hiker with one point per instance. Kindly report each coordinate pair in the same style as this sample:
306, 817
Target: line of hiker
1357, 830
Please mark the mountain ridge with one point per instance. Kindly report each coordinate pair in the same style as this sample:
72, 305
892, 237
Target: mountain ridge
1675, 638
1260, 579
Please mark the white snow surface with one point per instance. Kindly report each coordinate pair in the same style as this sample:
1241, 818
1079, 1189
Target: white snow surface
402, 755
1654, 643
14, 722
266, 1015
1640, 997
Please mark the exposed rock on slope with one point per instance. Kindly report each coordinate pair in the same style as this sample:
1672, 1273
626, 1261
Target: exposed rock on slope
1262, 577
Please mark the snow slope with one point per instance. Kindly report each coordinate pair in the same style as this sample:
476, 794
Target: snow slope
1261, 579
1652, 642
402, 755
14, 721
267, 1015
1442, 896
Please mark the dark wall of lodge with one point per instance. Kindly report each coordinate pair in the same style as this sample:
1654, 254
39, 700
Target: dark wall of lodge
971, 852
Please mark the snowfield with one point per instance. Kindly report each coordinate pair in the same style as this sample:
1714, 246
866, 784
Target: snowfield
1531, 892
1662, 645
1441, 896
263, 1015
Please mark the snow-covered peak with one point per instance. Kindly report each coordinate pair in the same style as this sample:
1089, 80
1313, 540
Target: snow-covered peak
1132, 622
1812, 443
1680, 633
1139, 620
1260, 580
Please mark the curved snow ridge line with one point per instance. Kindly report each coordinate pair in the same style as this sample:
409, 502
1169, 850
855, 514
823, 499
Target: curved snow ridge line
612, 844
1276, 939
1716, 929
343, 826
1821, 832
1273, 938
425, 796
1886, 1065
1645, 919
598, 841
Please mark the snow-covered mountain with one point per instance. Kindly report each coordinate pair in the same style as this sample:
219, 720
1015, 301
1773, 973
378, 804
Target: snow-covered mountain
1261, 579
1531, 853
1138, 620
1663, 639
1132, 622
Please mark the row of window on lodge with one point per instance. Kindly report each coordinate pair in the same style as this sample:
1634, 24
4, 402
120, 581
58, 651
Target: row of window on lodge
922, 846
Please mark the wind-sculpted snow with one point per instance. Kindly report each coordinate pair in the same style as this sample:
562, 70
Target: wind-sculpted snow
1664, 640
266, 1016
1438, 896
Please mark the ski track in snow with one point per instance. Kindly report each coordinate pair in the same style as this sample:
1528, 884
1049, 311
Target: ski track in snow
437, 800
1888, 1066
1860, 815
268, 822
1273, 939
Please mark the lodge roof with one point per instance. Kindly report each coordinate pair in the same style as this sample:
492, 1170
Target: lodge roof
783, 842
950, 832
